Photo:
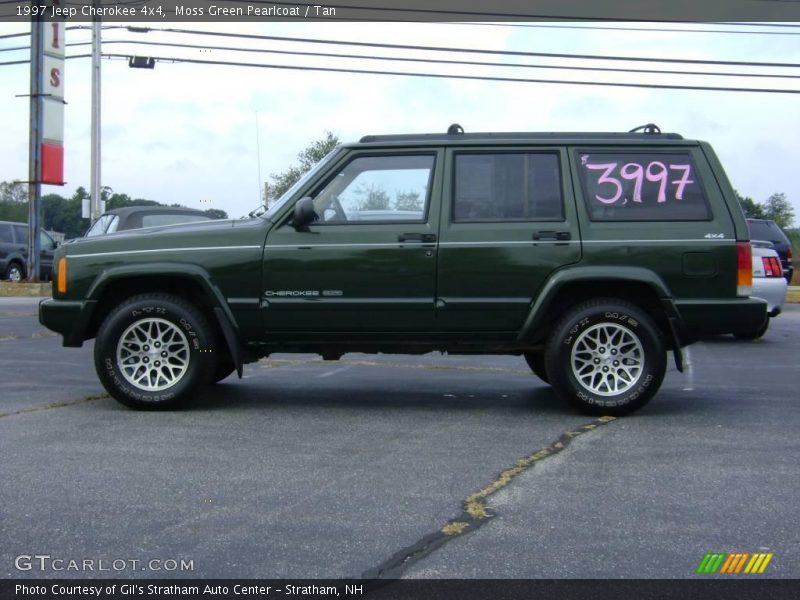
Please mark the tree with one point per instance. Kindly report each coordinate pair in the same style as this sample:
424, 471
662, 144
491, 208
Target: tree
13, 191
751, 208
373, 198
409, 200
216, 213
780, 210
309, 157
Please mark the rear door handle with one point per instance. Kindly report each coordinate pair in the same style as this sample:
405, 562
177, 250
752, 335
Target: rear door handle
560, 236
422, 238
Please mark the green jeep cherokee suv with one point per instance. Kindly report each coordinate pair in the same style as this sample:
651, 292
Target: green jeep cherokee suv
591, 255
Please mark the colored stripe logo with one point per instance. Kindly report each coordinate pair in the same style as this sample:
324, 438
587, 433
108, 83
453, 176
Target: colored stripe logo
734, 563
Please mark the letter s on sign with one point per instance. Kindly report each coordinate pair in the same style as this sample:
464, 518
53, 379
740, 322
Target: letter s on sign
55, 77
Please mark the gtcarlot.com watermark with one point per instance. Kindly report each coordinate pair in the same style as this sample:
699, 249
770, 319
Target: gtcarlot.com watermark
45, 563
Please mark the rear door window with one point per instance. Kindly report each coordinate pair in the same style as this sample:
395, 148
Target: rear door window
642, 186
507, 186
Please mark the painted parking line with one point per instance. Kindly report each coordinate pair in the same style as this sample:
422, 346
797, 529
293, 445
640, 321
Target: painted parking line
335, 371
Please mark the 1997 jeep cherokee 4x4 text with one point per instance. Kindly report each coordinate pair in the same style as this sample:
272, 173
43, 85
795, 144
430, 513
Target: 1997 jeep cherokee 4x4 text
591, 254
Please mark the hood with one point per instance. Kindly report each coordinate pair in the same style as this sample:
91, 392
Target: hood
222, 232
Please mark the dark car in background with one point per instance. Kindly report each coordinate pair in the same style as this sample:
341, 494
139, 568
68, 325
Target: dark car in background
766, 230
14, 252
138, 217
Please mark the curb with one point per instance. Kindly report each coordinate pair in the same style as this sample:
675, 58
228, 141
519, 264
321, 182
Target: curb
11, 289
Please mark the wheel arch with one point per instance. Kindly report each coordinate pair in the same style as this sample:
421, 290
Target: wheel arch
189, 282
571, 286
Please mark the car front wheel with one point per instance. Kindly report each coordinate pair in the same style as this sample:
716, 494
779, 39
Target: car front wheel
154, 351
606, 357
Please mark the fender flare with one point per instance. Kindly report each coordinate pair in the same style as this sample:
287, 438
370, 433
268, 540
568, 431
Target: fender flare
220, 308
587, 274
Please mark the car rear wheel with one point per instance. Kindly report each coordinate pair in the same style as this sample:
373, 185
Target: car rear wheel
154, 351
606, 357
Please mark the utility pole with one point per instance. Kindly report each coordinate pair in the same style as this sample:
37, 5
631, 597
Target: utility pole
35, 148
96, 207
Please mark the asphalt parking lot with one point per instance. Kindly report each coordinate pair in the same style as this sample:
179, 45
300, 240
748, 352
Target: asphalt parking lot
308, 468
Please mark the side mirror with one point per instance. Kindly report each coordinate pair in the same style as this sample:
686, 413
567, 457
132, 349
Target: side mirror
304, 213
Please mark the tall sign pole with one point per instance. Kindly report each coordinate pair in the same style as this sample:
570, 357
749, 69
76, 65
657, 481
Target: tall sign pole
35, 148
46, 151
96, 205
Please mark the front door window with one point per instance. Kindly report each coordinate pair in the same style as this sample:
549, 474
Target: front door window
377, 189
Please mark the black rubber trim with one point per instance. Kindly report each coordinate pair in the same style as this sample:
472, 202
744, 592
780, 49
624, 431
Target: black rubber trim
230, 339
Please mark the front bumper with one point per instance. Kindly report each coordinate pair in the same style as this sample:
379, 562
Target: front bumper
705, 317
773, 290
69, 318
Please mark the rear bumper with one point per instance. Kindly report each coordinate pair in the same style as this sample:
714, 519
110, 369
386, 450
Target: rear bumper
67, 317
700, 318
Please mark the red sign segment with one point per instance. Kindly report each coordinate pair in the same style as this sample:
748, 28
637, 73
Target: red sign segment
52, 164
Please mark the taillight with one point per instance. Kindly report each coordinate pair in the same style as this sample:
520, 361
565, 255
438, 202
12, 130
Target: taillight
772, 266
744, 259
61, 275
789, 256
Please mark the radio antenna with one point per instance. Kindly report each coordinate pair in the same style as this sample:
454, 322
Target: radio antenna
263, 200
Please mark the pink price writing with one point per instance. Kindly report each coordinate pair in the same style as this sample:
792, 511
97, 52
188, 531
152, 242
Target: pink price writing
655, 172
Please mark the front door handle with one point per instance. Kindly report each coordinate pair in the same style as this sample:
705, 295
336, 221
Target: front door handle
422, 238
560, 236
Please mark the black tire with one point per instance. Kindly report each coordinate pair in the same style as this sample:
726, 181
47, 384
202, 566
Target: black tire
753, 335
579, 338
535, 361
149, 322
15, 272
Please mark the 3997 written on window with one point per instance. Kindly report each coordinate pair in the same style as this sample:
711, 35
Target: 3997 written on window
642, 187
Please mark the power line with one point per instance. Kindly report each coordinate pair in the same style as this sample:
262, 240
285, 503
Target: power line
439, 61
13, 35
428, 60
467, 77
631, 29
473, 50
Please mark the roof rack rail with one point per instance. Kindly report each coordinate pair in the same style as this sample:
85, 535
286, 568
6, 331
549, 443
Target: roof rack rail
455, 134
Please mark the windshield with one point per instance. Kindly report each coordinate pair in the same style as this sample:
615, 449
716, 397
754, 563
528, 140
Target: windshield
276, 206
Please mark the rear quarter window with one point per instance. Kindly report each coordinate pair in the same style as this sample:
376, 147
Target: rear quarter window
642, 186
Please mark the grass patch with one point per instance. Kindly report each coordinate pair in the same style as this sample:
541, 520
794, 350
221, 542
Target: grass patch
793, 295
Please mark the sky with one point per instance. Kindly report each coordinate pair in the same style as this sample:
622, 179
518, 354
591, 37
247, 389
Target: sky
206, 136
